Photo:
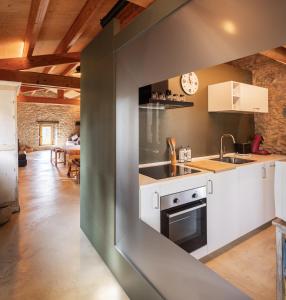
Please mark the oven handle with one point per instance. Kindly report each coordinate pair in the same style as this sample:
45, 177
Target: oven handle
186, 210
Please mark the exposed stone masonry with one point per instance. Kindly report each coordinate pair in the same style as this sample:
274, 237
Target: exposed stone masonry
272, 75
29, 115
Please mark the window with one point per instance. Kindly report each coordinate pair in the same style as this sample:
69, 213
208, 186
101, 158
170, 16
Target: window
47, 134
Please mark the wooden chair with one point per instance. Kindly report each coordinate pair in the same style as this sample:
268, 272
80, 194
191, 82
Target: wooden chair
74, 167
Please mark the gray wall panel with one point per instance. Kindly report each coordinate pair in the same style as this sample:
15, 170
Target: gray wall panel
197, 41
97, 205
191, 38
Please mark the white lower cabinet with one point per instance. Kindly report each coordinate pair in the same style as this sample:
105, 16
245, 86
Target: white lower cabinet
222, 204
149, 206
239, 201
250, 197
256, 193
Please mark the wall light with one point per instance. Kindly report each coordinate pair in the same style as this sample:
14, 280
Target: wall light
229, 27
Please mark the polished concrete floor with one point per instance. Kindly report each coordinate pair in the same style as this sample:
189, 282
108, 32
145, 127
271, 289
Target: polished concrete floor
43, 253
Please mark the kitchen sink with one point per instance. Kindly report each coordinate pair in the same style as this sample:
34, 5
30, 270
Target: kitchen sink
233, 160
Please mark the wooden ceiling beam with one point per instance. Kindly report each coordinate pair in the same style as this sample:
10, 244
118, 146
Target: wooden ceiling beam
278, 54
78, 27
61, 94
142, 3
23, 63
48, 100
40, 79
128, 14
36, 18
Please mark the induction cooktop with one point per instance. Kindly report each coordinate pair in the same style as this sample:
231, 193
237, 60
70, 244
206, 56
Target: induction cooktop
166, 171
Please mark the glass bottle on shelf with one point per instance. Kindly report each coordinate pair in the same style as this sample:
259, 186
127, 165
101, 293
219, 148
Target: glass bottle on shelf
168, 95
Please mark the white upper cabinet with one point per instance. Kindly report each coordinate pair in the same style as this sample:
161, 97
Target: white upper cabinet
8, 100
231, 96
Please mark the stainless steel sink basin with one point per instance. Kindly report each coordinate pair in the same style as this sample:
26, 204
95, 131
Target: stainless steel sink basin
233, 160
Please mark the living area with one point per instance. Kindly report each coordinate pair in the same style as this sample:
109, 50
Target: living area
53, 128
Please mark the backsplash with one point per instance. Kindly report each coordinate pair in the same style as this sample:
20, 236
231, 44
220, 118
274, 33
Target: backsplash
272, 75
194, 126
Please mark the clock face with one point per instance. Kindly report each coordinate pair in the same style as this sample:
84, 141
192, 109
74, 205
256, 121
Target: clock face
190, 83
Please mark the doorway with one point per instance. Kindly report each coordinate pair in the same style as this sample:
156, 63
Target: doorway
47, 134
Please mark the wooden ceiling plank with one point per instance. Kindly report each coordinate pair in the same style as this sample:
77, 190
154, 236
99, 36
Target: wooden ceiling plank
78, 27
36, 18
278, 54
40, 79
23, 63
25, 89
48, 100
68, 69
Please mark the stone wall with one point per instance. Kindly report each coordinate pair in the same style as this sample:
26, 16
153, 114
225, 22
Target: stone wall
272, 75
31, 114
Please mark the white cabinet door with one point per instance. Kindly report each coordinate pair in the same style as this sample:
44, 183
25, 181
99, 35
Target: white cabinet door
149, 206
268, 191
7, 118
250, 187
233, 96
253, 98
222, 208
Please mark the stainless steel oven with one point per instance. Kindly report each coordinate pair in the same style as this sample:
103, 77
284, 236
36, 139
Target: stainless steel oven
184, 218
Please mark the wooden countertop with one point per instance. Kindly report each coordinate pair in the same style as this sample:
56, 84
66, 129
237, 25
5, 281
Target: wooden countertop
211, 165
208, 165
217, 166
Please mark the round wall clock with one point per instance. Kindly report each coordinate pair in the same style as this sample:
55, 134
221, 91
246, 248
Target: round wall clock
190, 83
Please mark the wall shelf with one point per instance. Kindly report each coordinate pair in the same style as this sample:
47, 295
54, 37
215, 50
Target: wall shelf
165, 104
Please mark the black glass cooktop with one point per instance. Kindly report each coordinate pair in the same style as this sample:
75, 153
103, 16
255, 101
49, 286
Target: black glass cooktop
165, 171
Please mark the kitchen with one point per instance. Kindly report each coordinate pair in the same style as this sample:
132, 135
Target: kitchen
220, 193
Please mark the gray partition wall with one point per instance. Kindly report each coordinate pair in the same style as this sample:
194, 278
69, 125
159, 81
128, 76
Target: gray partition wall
114, 66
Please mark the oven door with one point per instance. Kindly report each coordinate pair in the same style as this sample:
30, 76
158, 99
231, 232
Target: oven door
186, 225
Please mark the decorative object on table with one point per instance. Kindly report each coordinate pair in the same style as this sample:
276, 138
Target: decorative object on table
255, 145
172, 145
190, 83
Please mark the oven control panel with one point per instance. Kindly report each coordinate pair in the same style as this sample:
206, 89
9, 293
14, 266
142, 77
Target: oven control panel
184, 197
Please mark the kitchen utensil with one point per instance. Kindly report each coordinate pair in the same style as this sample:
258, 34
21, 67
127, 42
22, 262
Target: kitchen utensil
256, 143
242, 148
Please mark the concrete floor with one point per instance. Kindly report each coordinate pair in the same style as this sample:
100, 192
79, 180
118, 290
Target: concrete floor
43, 253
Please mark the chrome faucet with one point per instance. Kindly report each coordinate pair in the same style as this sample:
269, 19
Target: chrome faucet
221, 143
